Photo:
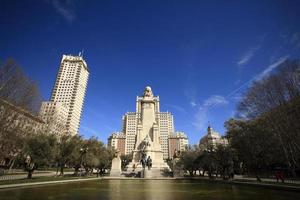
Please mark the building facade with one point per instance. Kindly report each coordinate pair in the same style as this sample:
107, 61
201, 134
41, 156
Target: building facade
177, 142
166, 128
69, 91
117, 141
55, 116
15, 118
211, 140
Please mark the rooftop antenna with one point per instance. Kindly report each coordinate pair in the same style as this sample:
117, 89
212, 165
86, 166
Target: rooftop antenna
81, 53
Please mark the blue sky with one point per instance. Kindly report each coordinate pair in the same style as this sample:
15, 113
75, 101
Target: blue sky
198, 56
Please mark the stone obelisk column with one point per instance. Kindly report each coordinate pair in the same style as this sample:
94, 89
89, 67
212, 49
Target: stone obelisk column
147, 139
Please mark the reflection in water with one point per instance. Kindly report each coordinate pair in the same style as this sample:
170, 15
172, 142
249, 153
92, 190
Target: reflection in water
138, 189
157, 190
114, 189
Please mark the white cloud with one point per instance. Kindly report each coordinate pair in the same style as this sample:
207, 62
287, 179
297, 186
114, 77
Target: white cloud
246, 57
215, 100
259, 76
201, 116
64, 8
270, 68
191, 93
193, 103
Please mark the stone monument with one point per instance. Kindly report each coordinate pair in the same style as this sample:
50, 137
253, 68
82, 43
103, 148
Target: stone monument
116, 170
148, 138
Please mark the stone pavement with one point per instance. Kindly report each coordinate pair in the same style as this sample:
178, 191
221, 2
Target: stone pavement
24, 175
269, 180
45, 183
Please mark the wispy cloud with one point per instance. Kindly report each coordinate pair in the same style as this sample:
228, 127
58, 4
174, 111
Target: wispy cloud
90, 130
176, 107
248, 55
190, 93
66, 8
266, 72
270, 68
203, 110
215, 100
201, 116
193, 103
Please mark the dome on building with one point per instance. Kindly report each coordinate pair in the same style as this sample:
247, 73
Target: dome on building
211, 140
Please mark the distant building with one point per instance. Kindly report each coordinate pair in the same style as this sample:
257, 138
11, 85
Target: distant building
130, 121
211, 140
15, 118
69, 91
166, 128
177, 142
117, 141
55, 116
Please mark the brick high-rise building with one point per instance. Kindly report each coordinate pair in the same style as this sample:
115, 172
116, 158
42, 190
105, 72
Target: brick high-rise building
177, 142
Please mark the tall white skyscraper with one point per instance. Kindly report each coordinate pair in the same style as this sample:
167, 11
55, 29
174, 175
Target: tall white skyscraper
70, 88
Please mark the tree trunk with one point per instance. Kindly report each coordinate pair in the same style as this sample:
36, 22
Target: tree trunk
258, 178
11, 165
29, 175
61, 170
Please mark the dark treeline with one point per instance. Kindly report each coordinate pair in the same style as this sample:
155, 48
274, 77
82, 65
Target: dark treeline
266, 133
264, 138
215, 161
43, 151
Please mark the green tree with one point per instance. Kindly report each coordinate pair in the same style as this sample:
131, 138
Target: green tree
39, 151
225, 158
68, 152
256, 147
17, 93
93, 157
275, 100
188, 160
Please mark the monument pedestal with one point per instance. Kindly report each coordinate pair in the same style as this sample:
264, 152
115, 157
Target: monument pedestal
153, 173
116, 170
159, 166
